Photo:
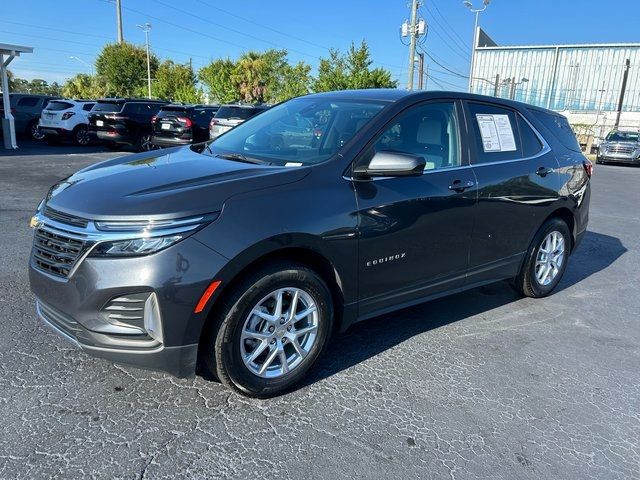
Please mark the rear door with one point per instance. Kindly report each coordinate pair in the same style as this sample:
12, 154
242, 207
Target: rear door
415, 232
518, 186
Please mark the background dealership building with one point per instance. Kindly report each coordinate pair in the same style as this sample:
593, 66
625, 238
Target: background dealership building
581, 81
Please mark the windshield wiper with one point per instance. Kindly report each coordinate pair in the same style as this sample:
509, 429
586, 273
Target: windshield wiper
238, 157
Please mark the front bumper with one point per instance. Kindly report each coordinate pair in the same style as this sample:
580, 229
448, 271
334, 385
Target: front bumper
77, 307
622, 158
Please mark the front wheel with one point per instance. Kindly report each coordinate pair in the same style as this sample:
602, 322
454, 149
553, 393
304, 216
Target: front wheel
34, 131
273, 328
545, 261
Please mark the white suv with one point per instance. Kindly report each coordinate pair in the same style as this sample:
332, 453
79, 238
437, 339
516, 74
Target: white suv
66, 119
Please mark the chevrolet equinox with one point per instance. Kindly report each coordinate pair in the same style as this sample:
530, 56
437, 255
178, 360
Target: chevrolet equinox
243, 255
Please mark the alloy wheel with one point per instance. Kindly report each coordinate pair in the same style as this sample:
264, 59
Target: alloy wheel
82, 136
36, 134
279, 332
550, 258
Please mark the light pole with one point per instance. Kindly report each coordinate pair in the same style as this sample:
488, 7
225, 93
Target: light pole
84, 63
146, 28
477, 11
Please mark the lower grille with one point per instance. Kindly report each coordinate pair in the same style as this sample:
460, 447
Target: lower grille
55, 253
62, 322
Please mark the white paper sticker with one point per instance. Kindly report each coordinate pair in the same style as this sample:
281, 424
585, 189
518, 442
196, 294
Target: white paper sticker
496, 133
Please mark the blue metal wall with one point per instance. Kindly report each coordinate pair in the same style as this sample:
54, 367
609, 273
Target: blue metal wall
579, 78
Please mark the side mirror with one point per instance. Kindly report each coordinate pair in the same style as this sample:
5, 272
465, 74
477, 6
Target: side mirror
391, 164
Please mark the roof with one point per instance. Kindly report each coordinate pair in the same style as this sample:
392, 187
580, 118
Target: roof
384, 94
8, 49
126, 100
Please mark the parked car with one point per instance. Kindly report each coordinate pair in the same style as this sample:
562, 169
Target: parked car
229, 116
26, 110
182, 124
620, 146
124, 121
247, 252
66, 120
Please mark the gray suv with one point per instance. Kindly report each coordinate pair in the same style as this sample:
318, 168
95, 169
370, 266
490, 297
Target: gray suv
620, 146
26, 110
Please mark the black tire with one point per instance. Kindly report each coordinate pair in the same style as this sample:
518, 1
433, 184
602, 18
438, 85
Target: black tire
527, 282
143, 142
33, 130
599, 160
223, 356
81, 136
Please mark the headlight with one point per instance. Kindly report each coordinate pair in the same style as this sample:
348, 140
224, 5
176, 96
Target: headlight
134, 247
136, 238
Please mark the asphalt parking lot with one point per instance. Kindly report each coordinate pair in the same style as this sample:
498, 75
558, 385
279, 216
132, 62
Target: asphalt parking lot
483, 384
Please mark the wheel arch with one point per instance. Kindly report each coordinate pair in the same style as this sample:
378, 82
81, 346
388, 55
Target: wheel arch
567, 216
246, 263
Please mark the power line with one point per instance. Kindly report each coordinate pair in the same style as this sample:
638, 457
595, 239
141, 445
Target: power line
435, 5
461, 52
441, 65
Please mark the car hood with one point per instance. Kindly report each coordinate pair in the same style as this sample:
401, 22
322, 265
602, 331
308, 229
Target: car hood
171, 183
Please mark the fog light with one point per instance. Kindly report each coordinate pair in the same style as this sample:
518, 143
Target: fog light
152, 320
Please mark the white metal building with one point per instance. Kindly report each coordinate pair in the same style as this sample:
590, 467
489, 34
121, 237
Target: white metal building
582, 81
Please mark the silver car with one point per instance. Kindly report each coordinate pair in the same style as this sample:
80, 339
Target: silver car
229, 116
620, 146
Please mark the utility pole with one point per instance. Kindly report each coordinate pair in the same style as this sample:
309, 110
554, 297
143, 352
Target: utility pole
412, 41
512, 90
146, 28
421, 71
627, 64
119, 21
496, 85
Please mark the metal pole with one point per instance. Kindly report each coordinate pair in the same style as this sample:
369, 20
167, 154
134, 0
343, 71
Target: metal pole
473, 51
119, 21
146, 37
8, 126
554, 76
420, 71
496, 85
627, 64
512, 93
412, 42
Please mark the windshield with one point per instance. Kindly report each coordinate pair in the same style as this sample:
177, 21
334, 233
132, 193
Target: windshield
623, 137
302, 131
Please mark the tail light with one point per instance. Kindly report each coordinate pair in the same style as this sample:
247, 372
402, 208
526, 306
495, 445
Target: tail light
115, 117
187, 121
67, 115
588, 167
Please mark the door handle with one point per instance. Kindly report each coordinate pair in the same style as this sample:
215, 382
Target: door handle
458, 186
544, 171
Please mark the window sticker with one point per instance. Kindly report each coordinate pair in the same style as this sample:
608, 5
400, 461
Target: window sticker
496, 133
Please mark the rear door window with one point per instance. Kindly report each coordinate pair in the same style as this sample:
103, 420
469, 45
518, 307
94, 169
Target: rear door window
28, 102
87, 107
560, 128
236, 113
497, 137
531, 144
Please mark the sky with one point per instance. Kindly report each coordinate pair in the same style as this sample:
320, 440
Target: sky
203, 30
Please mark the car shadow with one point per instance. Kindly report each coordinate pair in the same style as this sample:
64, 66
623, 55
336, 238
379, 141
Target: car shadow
34, 148
369, 338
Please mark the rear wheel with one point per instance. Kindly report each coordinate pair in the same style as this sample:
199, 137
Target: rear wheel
272, 329
144, 142
546, 260
81, 135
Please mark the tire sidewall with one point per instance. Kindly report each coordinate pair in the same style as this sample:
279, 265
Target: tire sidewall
228, 337
76, 133
551, 226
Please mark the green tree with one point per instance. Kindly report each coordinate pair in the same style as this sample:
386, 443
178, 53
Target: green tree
84, 86
123, 69
350, 71
175, 82
295, 81
217, 77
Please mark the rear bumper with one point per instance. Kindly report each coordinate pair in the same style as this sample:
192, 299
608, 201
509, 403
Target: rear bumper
56, 132
112, 136
170, 141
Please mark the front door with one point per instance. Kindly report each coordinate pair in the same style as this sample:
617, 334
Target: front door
415, 232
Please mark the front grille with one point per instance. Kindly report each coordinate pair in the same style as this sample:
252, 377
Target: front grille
621, 149
65, 218
55, 253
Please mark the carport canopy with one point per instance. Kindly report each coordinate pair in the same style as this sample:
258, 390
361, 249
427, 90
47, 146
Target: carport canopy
7, 53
